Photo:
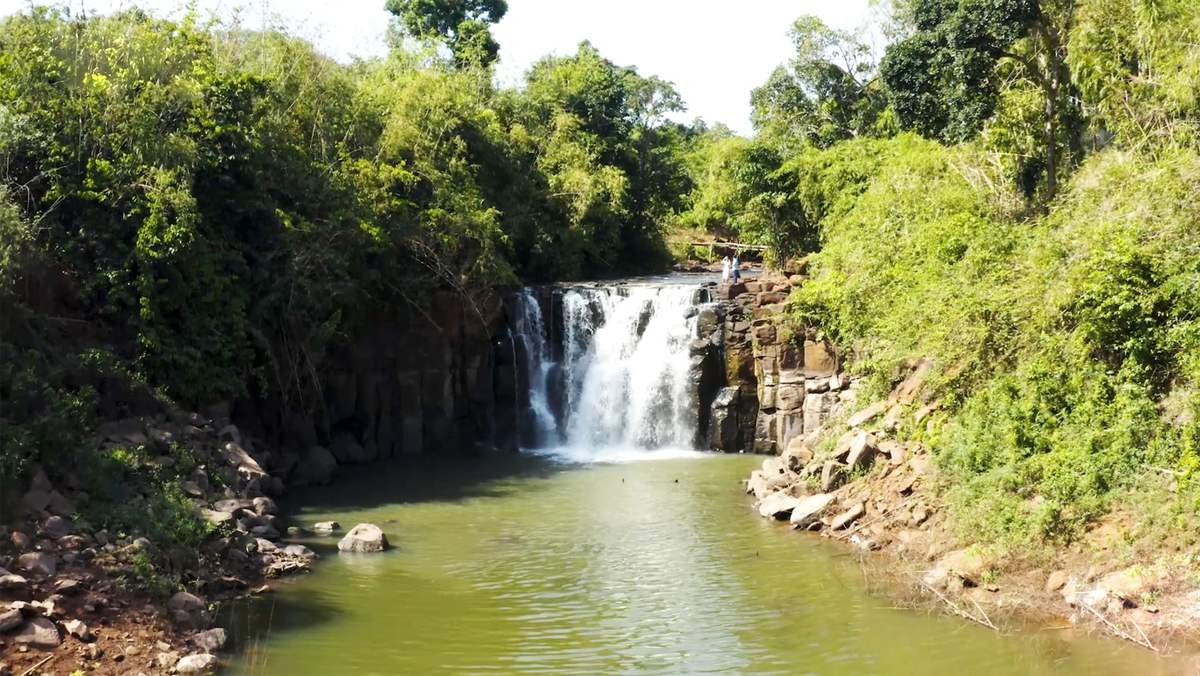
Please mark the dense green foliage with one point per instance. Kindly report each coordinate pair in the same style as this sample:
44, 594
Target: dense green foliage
218, 206
1065, 329
1008, 190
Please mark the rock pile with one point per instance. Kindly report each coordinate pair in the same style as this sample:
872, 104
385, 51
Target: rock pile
816, 492
60, 577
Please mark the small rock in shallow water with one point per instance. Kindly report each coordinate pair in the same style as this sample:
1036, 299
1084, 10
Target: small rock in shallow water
364, 538
326, 527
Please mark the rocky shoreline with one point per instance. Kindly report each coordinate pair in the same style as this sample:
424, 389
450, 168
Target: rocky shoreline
858, 481
78, 598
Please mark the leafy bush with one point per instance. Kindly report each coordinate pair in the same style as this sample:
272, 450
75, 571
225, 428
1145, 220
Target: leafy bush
1059, 337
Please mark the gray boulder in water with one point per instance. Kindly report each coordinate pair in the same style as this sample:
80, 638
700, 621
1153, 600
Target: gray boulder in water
365, 538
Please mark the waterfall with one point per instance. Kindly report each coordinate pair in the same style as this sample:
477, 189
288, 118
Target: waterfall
531, 331
625, 383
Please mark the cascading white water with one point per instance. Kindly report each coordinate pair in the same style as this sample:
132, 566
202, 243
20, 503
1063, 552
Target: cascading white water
538, 363
626, 372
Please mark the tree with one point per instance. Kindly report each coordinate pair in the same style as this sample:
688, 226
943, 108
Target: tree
826, 93
461, 24
946, 77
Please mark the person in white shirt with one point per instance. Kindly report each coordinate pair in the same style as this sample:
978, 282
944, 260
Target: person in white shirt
725, 270
736, 269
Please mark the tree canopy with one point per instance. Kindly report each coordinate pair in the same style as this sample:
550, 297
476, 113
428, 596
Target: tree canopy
463, 25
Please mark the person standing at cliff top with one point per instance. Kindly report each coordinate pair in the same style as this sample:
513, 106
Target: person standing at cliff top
725, 270
736, 268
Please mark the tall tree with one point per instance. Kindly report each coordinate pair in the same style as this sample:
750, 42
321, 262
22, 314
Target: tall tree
463, 25
826, 93
946, 77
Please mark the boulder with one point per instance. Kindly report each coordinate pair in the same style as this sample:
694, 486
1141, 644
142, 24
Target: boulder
217, 518
188, 609
756, 485
246, 465
79, 630
862, 450
789, 397
230, 432
797, 454
326, 527
906, 393
809, 510
1130, 585
300, 551
265, 506
210, 641
36, 501
11, 583
348, 451
316, 467
128, 431
967, 565
819, 359
56, 527
234, 505
778, 505
200, 663
59, 504
37, 563
10, 619
38, 632
20, 541
867, 414
363, 539
832, 476
848, 517
1055, 581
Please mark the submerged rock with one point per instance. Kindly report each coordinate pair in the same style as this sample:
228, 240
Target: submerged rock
364, 538
326, 527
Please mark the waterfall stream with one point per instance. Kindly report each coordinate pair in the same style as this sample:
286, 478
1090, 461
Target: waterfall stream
623, 376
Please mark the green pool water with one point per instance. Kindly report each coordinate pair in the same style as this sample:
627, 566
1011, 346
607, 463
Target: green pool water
517, 564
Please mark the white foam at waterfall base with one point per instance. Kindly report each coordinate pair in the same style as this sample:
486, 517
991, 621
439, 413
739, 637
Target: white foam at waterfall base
626, 374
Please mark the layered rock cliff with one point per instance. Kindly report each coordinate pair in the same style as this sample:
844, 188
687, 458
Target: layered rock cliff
779, 386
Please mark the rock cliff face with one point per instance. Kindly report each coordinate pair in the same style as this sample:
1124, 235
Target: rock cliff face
778, 386
432, 381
